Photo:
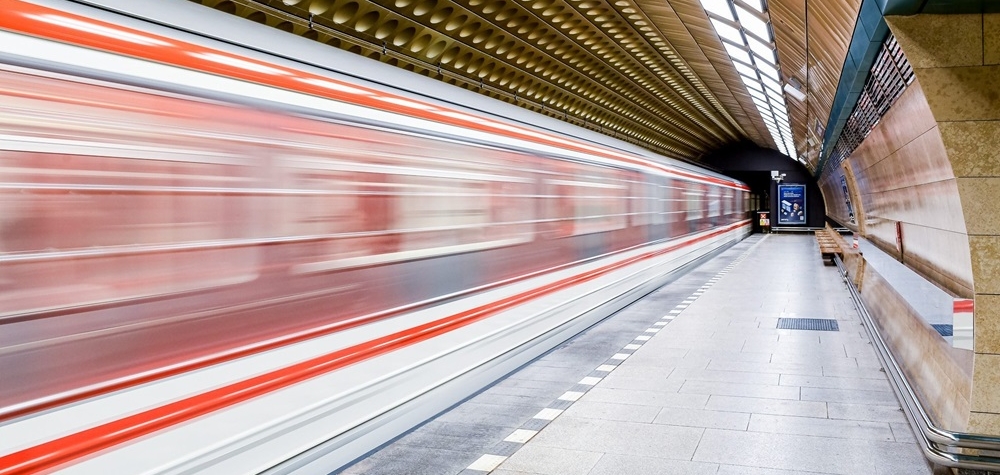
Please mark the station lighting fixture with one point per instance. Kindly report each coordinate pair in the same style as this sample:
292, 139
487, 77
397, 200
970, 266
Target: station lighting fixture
745, 29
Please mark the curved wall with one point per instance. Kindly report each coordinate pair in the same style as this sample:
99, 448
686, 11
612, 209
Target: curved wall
900, 177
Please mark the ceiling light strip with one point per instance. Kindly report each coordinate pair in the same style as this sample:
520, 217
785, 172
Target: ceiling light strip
745, 27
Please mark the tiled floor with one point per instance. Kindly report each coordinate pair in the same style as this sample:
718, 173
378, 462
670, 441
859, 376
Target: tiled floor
720, 390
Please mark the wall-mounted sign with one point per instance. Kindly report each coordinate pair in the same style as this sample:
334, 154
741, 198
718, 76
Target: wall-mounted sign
847, 199
791, 204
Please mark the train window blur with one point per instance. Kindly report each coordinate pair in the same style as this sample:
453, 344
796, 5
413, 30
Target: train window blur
599, 200
714, 204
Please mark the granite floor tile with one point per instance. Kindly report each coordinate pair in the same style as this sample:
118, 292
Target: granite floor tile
743, 390
614, 464
745, 470
766, 406
539, 459
786, 452
613, 411
624, 438
647, 398
702, 418
850, 396
837, 428
866, 412
865, 384
726, 376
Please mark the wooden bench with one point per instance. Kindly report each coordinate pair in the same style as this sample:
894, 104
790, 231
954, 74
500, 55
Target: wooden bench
831, 244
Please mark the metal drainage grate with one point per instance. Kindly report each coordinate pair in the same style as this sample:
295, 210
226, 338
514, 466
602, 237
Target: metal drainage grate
943, 329
818, 324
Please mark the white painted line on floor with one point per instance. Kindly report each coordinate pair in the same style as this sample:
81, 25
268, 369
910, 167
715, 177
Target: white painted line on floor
487, 463
620, 356
642, 338
631, 346
548, 414
607, 368
657, 324
688, 302
675, 312
520, 436
698, 292
589, 381
570, 396
652, 330
681, 306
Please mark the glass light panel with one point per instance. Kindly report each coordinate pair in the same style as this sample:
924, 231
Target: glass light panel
752, 23
763, 50
745, 70
772, 84
768, 71
757, 95
737, 53
776, 95
753, 84
718, 7
727, 32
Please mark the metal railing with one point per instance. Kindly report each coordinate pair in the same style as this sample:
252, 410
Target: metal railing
940, 446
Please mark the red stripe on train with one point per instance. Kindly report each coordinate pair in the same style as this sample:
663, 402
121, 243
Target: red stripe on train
49, 455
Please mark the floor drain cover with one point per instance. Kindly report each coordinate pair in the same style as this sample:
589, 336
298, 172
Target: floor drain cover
943, 329
819, 324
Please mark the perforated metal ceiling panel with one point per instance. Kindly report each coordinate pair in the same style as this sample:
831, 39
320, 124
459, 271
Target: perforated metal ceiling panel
652, 72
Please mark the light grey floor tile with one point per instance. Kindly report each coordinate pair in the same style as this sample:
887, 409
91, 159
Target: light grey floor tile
661, 384
895, 458
624, 438
535, 458
700, 418
744, 470
903, 432
850, 396
872, 372
786, 452
777, 368
613, 411
767, 406
821, 427
866, 412
726, 376
742, 390
647, 398
864, 384
613, 464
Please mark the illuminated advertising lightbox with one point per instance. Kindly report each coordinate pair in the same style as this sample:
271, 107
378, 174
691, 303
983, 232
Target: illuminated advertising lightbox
791, 204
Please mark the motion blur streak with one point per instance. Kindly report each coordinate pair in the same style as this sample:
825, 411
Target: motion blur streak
154, 222
80, 444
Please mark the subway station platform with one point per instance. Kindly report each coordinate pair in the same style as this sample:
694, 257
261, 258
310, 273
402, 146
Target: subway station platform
695, 378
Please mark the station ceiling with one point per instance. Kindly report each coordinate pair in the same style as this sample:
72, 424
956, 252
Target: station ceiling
652, 72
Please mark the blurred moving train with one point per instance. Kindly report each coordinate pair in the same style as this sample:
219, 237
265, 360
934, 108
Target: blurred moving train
173, 205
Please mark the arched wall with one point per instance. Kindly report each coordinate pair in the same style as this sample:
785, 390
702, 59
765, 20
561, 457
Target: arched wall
956, 58
899, 174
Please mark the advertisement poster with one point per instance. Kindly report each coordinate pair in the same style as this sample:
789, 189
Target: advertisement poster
791, 204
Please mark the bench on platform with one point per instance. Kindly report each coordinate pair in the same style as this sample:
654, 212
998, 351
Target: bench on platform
831, 244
